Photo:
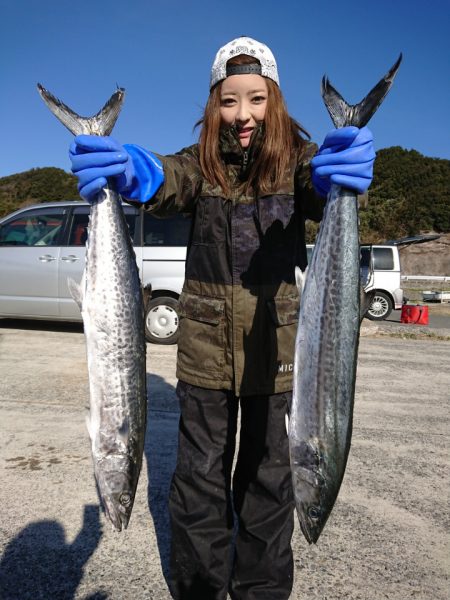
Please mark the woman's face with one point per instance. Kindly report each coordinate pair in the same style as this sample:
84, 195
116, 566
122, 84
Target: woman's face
243, 101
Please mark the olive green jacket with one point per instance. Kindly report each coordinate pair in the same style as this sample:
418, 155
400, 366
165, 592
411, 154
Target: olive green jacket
239, 304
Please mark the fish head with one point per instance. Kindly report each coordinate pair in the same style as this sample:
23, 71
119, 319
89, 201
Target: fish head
312, 519
116, 486
310, 489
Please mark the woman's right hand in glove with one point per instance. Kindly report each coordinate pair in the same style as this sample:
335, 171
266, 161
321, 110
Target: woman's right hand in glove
137, 173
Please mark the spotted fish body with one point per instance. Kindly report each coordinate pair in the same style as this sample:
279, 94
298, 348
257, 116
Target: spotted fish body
325, 365
111, 304
326, 347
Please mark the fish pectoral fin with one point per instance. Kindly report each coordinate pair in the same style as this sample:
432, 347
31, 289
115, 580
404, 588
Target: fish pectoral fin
75, 291
300, 279
123, 432
89, 426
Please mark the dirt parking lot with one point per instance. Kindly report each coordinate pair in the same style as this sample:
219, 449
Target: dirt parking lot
388, 536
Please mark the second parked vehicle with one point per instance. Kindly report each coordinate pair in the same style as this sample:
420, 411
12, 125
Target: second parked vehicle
380, 273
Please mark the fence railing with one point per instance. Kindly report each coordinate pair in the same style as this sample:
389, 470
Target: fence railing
425, 277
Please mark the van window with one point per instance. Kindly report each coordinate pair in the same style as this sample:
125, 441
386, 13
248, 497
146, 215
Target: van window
80, 222
34, 228
383, 259
78, 231
166, 232
365, 257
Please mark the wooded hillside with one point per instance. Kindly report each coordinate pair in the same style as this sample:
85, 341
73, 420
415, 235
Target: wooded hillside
410, 194
35, 186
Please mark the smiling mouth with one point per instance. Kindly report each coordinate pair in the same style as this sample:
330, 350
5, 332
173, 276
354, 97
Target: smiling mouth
245, 130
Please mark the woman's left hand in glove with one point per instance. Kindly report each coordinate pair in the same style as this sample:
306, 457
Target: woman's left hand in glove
346, 158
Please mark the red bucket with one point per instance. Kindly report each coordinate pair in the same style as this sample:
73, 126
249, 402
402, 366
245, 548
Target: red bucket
414, 314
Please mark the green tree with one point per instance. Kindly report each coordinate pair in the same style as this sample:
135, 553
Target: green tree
48, 184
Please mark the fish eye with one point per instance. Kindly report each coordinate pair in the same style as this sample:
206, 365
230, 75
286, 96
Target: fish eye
314, 512
125, 499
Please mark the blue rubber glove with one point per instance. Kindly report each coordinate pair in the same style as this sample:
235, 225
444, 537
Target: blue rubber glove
346, 158
136, 172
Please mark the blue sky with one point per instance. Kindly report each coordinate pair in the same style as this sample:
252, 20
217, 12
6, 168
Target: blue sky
161, 52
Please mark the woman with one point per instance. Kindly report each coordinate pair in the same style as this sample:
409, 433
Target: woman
249, 185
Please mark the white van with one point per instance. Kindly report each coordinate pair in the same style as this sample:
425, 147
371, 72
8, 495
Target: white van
41, 246
380, 271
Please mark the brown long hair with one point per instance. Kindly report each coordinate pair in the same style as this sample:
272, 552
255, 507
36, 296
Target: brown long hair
282, 136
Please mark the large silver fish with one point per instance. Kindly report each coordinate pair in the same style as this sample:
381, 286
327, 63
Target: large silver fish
326, 347
111, 304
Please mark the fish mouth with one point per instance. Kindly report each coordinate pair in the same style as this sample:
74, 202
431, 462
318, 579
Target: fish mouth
311, 534
118, 516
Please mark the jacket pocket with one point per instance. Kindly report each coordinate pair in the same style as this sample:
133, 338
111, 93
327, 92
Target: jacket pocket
284, 310
201, 346
284, 317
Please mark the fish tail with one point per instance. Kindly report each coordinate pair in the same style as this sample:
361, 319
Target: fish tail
100, 124
344, 114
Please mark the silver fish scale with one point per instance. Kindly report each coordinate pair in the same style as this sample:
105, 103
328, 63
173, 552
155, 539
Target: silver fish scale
325, 356
113, 318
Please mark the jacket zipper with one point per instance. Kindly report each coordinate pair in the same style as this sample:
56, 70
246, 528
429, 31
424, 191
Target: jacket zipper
245, 153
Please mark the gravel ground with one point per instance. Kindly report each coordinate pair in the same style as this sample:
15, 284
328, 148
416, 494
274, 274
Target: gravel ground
388, 536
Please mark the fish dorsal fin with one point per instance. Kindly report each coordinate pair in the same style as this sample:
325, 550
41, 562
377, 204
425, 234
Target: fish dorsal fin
343, 114
100, 124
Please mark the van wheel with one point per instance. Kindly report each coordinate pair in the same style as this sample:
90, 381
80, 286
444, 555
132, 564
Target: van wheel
380, 308
162, 321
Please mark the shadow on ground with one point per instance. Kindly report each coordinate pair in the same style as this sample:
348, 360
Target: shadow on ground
39, 564
40, 325
161, 454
